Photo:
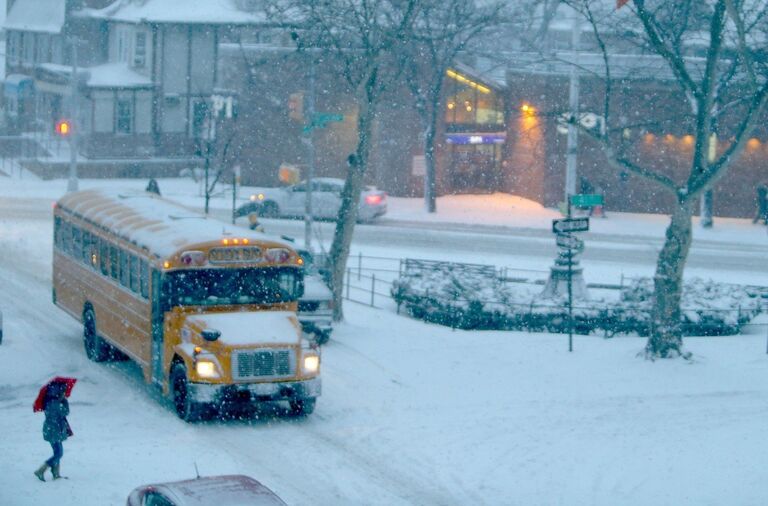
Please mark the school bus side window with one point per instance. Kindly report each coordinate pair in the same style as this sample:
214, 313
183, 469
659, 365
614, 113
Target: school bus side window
104, 257
113, 262
134, 273
87, 243
144, 279
77, 243
66, 236
124, 269
57, 239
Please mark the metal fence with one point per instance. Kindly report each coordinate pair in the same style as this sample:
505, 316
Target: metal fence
369, 281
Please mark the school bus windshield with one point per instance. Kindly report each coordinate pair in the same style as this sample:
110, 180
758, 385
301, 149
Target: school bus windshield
214, 287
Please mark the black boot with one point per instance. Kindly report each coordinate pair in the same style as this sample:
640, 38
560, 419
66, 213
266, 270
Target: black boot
40, 473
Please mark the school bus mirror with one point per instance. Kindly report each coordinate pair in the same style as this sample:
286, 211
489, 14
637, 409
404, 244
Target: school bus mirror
210, 334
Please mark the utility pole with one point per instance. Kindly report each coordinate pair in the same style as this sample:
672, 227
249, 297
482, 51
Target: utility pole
210, 137
573, 102
311, 158
72, 183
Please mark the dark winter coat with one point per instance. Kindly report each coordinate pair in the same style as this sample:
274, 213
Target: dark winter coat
56, 429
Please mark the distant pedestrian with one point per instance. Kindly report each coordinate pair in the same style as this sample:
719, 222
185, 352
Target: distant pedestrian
762, 205
253, 222
53, 401
153, 187
585, 186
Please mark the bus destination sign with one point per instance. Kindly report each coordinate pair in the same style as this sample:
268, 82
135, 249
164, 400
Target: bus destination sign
235, 254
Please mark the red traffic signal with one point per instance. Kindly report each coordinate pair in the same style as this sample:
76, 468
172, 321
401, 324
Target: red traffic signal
64, 127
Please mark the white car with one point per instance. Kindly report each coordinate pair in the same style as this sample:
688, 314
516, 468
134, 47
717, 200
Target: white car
290, 201
316, 305
229, 490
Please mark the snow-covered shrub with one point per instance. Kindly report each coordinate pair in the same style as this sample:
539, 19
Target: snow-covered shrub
470, 297
708, 307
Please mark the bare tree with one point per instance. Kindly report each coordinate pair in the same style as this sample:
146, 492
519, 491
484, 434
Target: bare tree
363, 41
726, 84
219, 146
442, 29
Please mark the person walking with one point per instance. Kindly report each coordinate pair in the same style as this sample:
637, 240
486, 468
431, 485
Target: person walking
55, 428
762, 204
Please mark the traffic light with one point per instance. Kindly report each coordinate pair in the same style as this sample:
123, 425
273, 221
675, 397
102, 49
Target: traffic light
296, 107
64, 127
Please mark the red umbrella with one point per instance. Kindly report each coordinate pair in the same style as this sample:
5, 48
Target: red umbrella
69, 384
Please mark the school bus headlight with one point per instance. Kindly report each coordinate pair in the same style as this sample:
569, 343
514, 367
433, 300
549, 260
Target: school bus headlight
311, 363
206, 369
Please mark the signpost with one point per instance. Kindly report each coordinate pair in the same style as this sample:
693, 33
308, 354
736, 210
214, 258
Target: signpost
566, 225
569, 246
316, 120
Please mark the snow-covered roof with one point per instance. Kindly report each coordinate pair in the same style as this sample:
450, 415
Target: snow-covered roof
107, 75
36, 16
634, 66
116, 75
149, 221
177, 11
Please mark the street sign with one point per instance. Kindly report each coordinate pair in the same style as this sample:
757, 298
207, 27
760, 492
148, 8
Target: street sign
320, 119
568, 241
324, 117
570, 225
586, 200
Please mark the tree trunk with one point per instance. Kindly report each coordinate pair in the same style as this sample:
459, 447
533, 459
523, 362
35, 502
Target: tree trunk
666, 340
430, 132
350, 197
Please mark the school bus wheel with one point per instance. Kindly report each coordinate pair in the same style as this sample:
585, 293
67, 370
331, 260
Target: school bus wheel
95, 347
186, 409
302, 407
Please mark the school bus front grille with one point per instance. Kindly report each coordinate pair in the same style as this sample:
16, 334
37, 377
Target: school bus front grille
263, 364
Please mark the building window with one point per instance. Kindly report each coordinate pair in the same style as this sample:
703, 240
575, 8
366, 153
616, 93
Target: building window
124, 116
27, 48
140, 50
14, 48
43, 48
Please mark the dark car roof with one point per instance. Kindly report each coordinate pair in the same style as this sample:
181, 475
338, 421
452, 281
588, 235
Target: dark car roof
228, 490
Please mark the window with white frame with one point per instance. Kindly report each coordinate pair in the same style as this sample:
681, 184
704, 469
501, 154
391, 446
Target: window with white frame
140, 50
14, 46
124, 116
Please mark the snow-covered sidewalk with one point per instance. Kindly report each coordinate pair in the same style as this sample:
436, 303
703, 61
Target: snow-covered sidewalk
498, 209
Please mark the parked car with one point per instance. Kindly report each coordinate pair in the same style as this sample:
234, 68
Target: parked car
228, 490
290, 201
316, 305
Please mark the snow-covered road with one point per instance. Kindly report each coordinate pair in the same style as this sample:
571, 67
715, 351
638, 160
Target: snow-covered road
410, 414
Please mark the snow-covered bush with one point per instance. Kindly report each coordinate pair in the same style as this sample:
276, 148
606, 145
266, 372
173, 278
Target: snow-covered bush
708, 307
470, 297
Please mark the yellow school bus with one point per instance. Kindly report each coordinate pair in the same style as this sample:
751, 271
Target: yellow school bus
207, 310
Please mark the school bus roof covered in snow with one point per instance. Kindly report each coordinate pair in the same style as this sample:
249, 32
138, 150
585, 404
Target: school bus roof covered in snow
152, 222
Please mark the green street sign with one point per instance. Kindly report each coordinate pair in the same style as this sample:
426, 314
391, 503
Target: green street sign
324, 117
586, 200
320, 119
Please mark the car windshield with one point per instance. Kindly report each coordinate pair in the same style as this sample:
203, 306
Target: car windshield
212, 287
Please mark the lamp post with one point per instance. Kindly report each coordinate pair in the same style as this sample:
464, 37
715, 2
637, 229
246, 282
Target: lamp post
72, 184
573, 103
310, 159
